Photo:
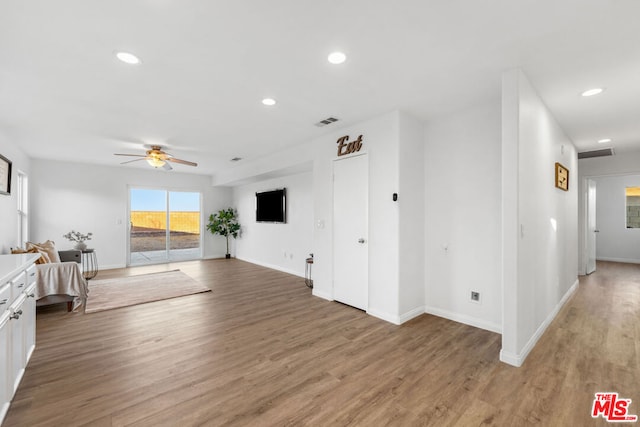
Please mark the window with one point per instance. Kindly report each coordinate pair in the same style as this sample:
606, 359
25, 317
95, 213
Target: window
633, 207
23, 208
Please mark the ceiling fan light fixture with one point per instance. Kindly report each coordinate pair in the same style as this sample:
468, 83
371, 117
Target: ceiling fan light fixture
155, 162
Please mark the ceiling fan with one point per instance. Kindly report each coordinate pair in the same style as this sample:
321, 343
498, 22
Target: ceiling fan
157, 158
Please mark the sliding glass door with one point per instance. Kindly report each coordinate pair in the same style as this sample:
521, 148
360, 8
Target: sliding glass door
164, 226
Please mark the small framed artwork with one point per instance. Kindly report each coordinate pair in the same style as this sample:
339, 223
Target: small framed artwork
562, 177
5, 175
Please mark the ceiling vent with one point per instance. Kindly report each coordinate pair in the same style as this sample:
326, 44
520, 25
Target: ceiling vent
596, 153
326, 121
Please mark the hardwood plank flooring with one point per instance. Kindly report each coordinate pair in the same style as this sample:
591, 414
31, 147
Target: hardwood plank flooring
260, 350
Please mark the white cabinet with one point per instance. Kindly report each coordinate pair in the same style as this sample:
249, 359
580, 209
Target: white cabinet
5, 395
17, 322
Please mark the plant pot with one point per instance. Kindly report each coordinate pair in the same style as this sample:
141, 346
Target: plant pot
228, 256
81, 246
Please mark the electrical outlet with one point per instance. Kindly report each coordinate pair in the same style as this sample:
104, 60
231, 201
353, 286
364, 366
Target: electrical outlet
475, 296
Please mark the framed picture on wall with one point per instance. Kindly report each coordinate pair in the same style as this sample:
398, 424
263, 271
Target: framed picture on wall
562, 177
5, 175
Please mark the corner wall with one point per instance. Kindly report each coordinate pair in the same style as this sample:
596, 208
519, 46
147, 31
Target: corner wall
282, 247
540, 230
462, 205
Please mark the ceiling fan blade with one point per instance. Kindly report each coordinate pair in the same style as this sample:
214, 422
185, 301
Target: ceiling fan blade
131, 161
167, 166
130, 155
182, 162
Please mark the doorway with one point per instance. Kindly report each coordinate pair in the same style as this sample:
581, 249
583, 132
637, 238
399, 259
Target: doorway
164, 226
350, 231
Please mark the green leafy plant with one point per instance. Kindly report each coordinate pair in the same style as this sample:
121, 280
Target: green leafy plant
224, 223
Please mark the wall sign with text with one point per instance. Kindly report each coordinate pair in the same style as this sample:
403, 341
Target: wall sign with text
345, 147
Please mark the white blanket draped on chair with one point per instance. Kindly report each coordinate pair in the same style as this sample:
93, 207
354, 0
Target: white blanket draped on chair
62, 279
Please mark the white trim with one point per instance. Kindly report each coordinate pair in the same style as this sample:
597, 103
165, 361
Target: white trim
3, 410
418, 311
518, 359
625, 260
384, 316
323, 295
213, 257
467, 320
272, 266
510, 358
397, 320
110, 267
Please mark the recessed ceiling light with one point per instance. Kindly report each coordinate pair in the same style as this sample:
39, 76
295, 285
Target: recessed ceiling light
337, 58
269, 101
127, 57
594, 91
604, 141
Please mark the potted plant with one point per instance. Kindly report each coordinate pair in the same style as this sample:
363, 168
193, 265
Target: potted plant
225, 224
79, 238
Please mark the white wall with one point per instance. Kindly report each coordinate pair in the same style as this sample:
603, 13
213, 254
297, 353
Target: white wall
540, 231
412, 218
279, 246
627, 163
9, 204
462, 233
615, 242
395, 238
93, 198
380, 141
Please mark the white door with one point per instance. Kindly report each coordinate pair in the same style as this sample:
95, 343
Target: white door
350, 231
591, 226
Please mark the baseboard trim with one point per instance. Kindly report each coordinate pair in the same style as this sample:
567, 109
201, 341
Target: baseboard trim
384, 316
418, 311
518, 359
111, 267
625, 260
271, 266
321, 294
467, 320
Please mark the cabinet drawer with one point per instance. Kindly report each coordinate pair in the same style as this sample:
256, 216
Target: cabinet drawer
31, 275
18, 285
5, 297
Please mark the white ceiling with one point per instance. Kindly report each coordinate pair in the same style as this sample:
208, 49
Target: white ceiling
207, 65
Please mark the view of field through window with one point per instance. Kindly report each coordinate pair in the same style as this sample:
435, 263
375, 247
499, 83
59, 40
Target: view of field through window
150, 220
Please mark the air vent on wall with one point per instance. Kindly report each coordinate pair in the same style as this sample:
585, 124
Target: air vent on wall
326, 121
596, 153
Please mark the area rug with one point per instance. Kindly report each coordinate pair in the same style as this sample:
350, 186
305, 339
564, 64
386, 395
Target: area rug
119, 292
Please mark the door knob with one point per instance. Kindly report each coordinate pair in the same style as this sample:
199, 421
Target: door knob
596, 231
361, 240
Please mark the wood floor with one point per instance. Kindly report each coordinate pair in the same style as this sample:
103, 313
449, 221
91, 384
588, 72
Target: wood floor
260, 350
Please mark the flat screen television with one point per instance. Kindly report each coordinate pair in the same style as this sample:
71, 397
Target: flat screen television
271, 206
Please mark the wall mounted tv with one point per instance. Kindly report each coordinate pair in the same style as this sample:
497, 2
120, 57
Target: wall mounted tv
271, 206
